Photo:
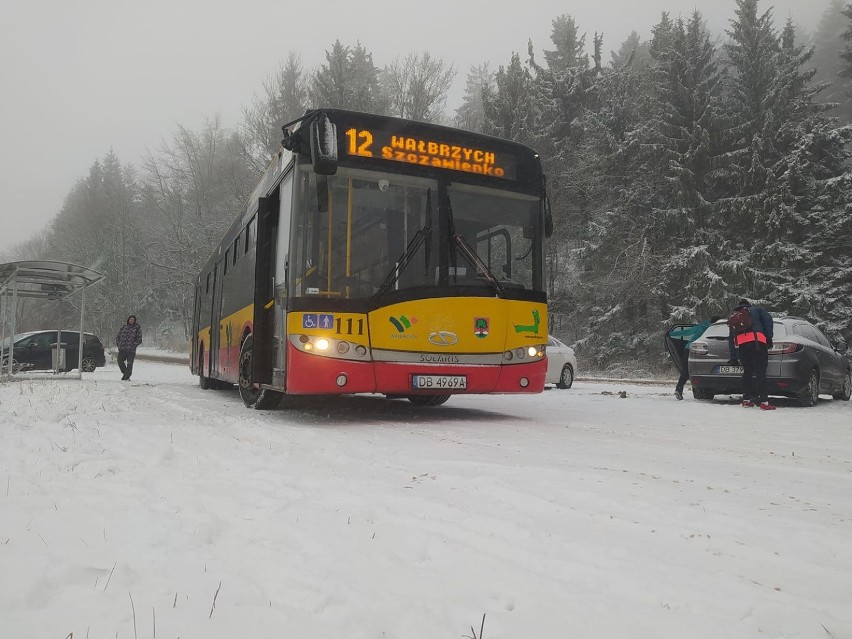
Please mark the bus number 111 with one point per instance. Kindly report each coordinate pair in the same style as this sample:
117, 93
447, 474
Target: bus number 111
349, 326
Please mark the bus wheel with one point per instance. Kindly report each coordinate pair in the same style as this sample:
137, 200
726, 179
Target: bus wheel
428, 400
257, 398
203, 382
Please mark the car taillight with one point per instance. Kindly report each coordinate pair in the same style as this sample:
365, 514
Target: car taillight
784, 348
699, 348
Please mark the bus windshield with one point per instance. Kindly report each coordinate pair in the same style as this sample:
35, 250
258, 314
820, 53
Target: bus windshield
365, 233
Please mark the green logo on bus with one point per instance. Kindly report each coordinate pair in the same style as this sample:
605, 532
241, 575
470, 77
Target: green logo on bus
402, 323
529, 328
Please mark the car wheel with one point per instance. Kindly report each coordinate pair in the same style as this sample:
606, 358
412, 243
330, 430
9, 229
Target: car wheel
4, 366
257, 398
566, 377
845, 392
809, 395
428, 400
89, 364
702, 393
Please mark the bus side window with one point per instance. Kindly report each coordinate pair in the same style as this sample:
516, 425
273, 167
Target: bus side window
250, 234
236, 248
227, 259
207, 292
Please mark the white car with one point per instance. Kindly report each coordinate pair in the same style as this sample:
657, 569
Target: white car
561, 364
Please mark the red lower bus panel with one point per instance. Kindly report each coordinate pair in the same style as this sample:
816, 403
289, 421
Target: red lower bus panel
395, 379
318, 375
309, 374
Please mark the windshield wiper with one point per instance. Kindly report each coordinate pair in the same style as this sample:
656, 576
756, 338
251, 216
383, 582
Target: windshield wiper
469, 254
423, 235
476, 261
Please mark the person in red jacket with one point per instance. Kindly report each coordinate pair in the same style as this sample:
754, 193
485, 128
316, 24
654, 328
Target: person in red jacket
750, 336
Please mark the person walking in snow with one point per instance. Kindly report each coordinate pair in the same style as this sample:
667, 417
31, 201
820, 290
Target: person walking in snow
687, 335
128, 338
750, 335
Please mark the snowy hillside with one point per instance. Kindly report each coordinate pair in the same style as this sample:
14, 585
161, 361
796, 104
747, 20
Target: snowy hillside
155, 509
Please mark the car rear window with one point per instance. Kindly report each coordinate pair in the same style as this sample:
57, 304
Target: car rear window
720, 330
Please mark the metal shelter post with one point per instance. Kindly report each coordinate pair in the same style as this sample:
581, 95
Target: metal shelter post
12, 328
4, 307
80, 348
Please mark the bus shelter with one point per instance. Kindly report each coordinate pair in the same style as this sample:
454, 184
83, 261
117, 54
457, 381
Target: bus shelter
52, 281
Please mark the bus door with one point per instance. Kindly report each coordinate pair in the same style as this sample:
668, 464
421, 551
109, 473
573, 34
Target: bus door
196, 322
281, 279
215, 318
263, 333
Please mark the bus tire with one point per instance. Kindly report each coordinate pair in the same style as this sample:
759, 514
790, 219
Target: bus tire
203, 382
428, 400
256, 398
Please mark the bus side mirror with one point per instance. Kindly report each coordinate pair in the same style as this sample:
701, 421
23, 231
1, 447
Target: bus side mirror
324, 146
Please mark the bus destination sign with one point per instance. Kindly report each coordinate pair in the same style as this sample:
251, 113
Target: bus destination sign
429, 151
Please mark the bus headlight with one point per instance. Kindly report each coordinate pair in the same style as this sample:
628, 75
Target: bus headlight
330, 347
532, 351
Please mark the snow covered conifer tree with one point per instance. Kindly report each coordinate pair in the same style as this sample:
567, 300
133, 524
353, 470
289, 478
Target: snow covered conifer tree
348, 80
828, 46
471, 114
791, 161
684, 136
507, 105
846, 54
570, 51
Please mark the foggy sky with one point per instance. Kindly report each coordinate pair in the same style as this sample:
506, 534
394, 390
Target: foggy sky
80, 78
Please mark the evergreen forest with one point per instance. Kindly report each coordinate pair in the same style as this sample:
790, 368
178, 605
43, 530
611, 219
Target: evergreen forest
685, 171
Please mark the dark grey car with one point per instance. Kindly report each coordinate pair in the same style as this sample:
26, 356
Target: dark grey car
34, 350
803, 363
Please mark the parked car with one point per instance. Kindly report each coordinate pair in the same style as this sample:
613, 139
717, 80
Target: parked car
34, 350
561, 363
803, 363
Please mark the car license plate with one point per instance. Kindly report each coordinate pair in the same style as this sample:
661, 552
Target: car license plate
422, 382
730, 370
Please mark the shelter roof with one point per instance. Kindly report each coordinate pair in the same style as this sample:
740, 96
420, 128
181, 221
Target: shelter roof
46, 280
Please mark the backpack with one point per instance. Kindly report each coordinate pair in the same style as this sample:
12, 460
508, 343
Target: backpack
739, 321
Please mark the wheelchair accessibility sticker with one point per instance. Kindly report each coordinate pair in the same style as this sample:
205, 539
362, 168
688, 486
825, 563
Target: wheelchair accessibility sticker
314, 320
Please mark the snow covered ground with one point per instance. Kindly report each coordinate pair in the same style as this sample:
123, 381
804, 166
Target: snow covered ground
155, 509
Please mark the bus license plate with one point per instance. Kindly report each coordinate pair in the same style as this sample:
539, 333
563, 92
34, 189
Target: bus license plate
438, 382
730, 370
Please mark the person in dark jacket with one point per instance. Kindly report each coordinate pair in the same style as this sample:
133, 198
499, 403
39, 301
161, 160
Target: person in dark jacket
686, 336
753, 346
128, 338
